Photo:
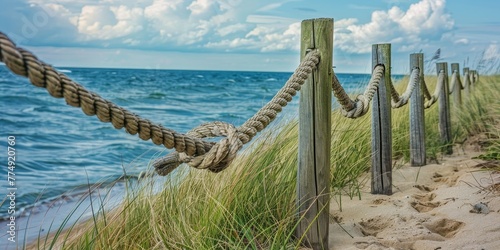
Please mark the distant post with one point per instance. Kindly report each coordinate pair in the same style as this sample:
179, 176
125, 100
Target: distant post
457, 86
467, 82
381, 124
444, 110
473, 77
417, 120
313, 175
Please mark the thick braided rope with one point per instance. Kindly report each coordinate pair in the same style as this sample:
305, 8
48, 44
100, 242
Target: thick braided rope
437, 91
24, 63
399, 101
427, 94
467, 79
218, 159
359, 107
215, 160
214, 156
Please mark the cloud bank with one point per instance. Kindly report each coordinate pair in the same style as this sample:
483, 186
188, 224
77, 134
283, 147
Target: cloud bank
212, 25
423, 22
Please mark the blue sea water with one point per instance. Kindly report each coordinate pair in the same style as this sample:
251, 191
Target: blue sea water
58, 148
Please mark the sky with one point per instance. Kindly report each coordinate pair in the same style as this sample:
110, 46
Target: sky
253, 35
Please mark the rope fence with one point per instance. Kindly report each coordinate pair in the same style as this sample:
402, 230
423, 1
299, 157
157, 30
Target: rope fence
192, 148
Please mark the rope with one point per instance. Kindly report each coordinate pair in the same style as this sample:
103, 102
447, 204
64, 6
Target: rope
202, 154
467, 79
237, 137
427, 94
454, 82
399, 101
462, 86
437, 91
358, 107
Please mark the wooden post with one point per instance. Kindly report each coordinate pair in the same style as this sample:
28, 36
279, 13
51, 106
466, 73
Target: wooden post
466, 82
313, 175
473, 78
457, 88
444, 111
381, 124
417, 120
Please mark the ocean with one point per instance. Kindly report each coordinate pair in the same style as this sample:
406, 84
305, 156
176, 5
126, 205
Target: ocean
59, 149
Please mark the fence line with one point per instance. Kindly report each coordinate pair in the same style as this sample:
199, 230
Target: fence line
314, 121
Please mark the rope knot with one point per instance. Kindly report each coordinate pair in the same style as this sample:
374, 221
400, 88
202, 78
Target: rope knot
361, 106
216, 159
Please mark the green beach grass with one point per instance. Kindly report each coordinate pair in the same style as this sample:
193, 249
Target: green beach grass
251, 205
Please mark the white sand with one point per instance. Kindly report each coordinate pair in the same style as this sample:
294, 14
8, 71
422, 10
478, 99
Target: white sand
434, 211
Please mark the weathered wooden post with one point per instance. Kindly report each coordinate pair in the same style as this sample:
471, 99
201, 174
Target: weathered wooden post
313, 175
457, 86
444, 110
417, 119
381, 124
473, 78
467, 82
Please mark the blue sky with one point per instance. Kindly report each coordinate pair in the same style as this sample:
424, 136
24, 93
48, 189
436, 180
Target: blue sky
247, 35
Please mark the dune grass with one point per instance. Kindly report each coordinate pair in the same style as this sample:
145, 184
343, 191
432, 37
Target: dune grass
251, 205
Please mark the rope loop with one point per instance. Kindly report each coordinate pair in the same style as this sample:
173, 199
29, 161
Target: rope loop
437, 91
361, 105
218, 156
398, 101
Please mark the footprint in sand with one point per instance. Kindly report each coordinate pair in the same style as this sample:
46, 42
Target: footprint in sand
378, 201
450, 180
424, 188
444, 227
423, 202
401, 232
373, 226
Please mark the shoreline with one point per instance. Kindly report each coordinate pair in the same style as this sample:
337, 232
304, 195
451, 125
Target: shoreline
39, 222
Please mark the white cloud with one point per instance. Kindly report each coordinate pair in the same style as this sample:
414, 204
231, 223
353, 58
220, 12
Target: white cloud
461, 41
230, 29
202, 7
423, 21
103, 22
491, 52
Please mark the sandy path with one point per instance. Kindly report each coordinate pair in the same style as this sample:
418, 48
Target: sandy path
433, 211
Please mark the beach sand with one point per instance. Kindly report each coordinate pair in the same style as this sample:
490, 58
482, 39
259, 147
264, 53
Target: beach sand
453, 203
